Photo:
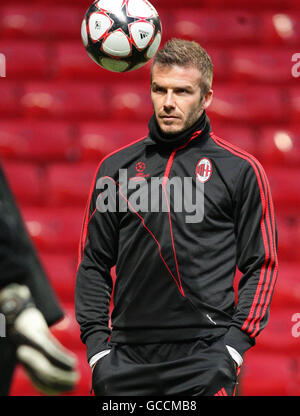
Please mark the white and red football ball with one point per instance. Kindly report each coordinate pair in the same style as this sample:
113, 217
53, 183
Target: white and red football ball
121, 35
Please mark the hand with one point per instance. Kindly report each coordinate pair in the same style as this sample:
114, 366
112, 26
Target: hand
93, 366
49, 365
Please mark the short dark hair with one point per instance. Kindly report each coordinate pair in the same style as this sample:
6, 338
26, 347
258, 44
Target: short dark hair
187, 53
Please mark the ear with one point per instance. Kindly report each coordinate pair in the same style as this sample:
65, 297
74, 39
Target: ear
207, 99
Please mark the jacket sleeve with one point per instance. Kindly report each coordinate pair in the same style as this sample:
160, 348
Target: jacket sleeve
256, 250
19, 260
93, 288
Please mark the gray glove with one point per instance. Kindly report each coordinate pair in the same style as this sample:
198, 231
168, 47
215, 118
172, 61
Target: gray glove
50, 366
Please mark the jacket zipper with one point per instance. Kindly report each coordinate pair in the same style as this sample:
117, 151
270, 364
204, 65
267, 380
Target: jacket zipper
165, 180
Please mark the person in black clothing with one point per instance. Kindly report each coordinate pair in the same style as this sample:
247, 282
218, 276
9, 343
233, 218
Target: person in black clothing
175, 328
28, 306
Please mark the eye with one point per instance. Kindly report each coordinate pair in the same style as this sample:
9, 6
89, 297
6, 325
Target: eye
181, 91
158, 89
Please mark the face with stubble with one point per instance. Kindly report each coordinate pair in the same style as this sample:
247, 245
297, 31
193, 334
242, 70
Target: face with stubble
177, 98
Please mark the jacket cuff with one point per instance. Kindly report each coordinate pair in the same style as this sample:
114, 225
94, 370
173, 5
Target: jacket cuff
97, 357
238, 340
96, 343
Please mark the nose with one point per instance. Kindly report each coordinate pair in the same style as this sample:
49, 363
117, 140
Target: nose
169, 103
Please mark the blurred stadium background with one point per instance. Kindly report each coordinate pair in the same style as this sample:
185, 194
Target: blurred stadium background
60, 114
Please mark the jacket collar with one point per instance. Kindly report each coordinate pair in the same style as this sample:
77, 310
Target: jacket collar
171, 141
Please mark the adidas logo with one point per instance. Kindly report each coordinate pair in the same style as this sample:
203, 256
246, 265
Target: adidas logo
143, 34
97, 25
221, 392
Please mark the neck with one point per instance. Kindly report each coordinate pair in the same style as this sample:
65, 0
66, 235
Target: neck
175, 140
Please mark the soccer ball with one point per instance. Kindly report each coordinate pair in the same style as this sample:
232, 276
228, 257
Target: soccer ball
121, 35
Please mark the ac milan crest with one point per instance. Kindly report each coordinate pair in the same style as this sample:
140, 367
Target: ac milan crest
203, 170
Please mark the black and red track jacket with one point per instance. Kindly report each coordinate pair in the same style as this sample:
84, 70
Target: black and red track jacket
175, 279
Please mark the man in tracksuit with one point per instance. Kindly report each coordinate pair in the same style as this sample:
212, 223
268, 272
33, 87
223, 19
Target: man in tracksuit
175, 328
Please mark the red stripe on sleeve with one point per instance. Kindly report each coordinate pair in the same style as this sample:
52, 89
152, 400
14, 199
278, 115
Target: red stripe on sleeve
271, 257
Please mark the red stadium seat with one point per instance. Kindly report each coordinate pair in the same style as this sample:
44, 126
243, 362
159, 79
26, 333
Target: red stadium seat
281, 28
253, 5
294, 4
214, 27
69, 184
263, 65
280, 146
40, 22
54, 230
96, 140
65, 100
38, 141
72, 62
268, 375
287, 289
21, 384
279, 328
221, 60
9, 93
131, 102
84, 4
26, 182
61, 270
241, 104
84, 384
242, 137
295, 104
284, 184
289, 234
220, 4
67, 330
26, 59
